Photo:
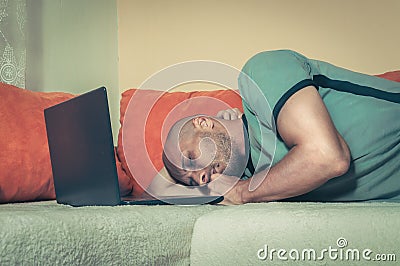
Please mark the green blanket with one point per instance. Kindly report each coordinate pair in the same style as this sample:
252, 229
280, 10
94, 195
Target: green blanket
299, 234
45, 233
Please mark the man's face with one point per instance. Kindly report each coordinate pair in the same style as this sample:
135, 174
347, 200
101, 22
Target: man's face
205, 149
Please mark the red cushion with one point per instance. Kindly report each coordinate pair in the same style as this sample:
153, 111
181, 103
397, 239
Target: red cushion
392, 75
25, 168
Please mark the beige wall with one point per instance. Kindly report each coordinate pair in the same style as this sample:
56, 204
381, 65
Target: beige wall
358, 34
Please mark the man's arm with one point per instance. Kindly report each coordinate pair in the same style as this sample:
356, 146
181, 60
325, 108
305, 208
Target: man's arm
317, 152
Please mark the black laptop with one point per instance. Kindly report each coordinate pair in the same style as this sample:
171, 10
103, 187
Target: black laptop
82, 155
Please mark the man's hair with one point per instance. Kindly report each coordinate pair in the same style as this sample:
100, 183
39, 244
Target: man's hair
223, 145
174, 172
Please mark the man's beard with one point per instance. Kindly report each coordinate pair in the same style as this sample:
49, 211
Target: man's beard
227, 154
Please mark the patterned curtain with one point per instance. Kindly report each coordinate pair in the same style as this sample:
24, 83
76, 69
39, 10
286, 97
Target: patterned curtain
12, 42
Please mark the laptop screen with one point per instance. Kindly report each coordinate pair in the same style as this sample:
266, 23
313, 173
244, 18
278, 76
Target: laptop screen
82, 150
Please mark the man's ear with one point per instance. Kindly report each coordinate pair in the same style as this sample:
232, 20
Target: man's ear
203, 122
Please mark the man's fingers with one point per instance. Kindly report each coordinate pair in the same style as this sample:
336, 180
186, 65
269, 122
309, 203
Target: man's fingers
230, 114
238, 113
220, 114
227, 115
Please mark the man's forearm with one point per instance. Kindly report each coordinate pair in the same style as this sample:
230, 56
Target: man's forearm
300, 171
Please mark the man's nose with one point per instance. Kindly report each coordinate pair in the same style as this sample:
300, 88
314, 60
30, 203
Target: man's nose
204, 177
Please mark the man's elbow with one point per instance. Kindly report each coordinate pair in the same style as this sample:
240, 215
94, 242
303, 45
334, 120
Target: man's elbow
330, 163
338, 164
341, 167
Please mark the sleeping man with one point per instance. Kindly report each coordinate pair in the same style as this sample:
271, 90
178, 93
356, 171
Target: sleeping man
310, 132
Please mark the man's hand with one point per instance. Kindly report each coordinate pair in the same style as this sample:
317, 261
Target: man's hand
229, 186
230, 114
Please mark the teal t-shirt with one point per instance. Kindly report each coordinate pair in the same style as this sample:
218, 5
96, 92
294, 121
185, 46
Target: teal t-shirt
365, 110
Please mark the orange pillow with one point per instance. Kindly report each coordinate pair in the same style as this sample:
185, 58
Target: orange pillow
150, 115
147, 115
25, 168
392, 75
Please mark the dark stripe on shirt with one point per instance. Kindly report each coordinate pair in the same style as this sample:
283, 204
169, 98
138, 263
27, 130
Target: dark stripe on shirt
346, 86
338, 85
